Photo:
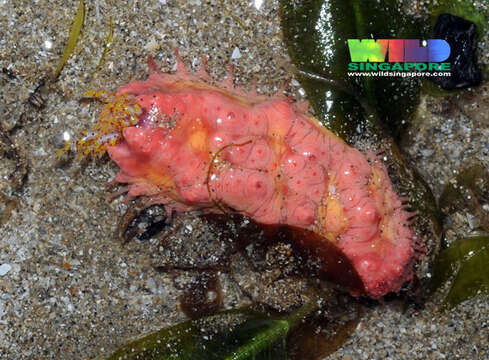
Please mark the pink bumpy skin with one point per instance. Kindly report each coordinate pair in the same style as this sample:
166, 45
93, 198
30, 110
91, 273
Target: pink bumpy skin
199, 146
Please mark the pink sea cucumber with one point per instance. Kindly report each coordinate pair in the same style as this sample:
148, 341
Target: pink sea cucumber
187, 144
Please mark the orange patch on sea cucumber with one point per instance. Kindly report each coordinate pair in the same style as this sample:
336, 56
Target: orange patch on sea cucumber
332, 215
198, 140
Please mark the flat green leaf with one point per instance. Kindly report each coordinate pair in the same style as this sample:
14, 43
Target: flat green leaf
465, 262
316, 33
230, 335
73, 38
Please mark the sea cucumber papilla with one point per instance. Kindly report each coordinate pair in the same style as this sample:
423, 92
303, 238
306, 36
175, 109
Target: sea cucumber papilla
187, 144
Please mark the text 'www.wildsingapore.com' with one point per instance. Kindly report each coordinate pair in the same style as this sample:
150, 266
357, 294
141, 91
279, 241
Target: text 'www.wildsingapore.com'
399, 74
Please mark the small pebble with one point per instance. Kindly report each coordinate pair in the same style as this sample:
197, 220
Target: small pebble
236, 53
4, 269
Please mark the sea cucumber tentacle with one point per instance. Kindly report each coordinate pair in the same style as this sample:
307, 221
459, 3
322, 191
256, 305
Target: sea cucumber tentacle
199, 146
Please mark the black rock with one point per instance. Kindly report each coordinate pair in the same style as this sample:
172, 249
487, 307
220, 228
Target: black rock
146, 223
459, 33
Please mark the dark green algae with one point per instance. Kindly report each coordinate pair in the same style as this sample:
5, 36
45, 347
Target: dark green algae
464, 263
246, 334
229, 335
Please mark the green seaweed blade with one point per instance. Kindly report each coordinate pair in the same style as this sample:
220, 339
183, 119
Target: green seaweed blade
466, 263
316, 33
73, 38
229, 335
194, 340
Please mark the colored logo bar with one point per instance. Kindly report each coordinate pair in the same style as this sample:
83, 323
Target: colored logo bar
398, 50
